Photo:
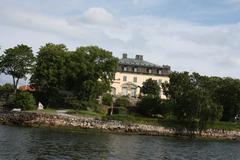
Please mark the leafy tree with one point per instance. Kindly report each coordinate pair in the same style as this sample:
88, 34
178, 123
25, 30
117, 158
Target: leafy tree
50, 73
150, 87
91, 71
228, 95
83, 74
17, 62
191, 100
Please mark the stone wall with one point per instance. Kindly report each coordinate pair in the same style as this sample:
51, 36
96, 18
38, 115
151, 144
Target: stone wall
50, 120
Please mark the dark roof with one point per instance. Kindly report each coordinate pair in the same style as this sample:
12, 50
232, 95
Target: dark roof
137, 62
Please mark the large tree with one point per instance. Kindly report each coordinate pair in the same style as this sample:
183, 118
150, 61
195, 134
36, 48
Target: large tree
17, 62
91, 71
50, 72
191, 100
228, 95
83, 74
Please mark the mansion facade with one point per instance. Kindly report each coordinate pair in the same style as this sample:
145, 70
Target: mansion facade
132, 72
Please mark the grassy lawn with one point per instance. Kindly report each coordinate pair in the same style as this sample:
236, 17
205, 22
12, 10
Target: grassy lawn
84, 113
132, 119
47, 111
225, 125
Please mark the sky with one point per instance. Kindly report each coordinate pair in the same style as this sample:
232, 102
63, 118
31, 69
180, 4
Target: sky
189, 35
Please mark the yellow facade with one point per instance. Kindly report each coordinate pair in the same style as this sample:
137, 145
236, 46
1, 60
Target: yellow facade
130, 83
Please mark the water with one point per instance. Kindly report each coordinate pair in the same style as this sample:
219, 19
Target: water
39, 143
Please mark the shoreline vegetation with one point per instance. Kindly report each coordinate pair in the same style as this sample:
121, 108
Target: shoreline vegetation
113, 124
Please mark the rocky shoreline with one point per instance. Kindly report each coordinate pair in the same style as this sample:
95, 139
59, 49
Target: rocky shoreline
31, 119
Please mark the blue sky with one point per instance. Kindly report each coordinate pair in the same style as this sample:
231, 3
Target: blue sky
192, 35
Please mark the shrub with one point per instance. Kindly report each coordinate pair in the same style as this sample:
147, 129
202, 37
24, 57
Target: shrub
107, 99
74, 103
102, 109
23, 100
122, 102
150, 105
5, 91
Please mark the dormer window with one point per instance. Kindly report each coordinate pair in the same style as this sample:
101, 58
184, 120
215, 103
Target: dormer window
124, 68
159, 71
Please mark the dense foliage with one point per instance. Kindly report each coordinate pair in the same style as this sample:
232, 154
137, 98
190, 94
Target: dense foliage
6, 90
23, 100
150, 106
83, 74
200, 99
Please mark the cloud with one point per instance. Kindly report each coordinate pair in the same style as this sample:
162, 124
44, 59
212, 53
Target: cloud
41, 23
97, 15
208, 49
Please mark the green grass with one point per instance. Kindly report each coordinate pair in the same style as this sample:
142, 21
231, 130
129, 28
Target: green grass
84, 113
225, 126
132, 119
47, 111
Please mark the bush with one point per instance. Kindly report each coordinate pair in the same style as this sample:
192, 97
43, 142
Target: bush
74, 103
150, 105
5, 91
107, 99
102, 109
23, 100
122, 102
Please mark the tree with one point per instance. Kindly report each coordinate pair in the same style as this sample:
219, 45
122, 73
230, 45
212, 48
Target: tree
83, 74
91, 71
17, 62
50, 73
228, 95
192, 102
150, 87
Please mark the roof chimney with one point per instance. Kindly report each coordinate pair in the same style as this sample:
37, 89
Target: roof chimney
139, 57
124, 56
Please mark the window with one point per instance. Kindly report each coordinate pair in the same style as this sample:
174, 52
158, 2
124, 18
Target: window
133, 92
159, 71
124, 91
135, 69
159, 82
149, 71
113, 91
134, 79
124, 78
124, 68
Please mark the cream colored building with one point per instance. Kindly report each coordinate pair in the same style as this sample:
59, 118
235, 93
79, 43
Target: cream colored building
132, 72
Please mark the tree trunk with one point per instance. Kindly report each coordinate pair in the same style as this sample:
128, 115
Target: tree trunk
15, 83
111, 109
